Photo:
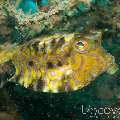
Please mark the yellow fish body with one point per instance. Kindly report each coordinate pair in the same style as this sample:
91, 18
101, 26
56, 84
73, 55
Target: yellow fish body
60, 62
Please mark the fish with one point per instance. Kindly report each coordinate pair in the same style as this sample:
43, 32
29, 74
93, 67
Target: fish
27, 6
62, 62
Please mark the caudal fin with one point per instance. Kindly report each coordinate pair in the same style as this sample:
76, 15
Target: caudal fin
7, 50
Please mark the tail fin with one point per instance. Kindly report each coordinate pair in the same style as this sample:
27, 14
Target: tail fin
6, 52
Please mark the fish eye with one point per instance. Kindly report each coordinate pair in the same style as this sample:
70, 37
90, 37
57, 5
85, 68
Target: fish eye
80, 43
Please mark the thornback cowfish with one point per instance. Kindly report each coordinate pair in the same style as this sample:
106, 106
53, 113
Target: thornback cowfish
60, 62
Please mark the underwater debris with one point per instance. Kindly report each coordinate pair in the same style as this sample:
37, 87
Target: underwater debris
67, 15
58, 11
60, 63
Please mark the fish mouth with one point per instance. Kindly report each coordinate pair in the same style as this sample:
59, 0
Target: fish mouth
113, 69
112, 66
